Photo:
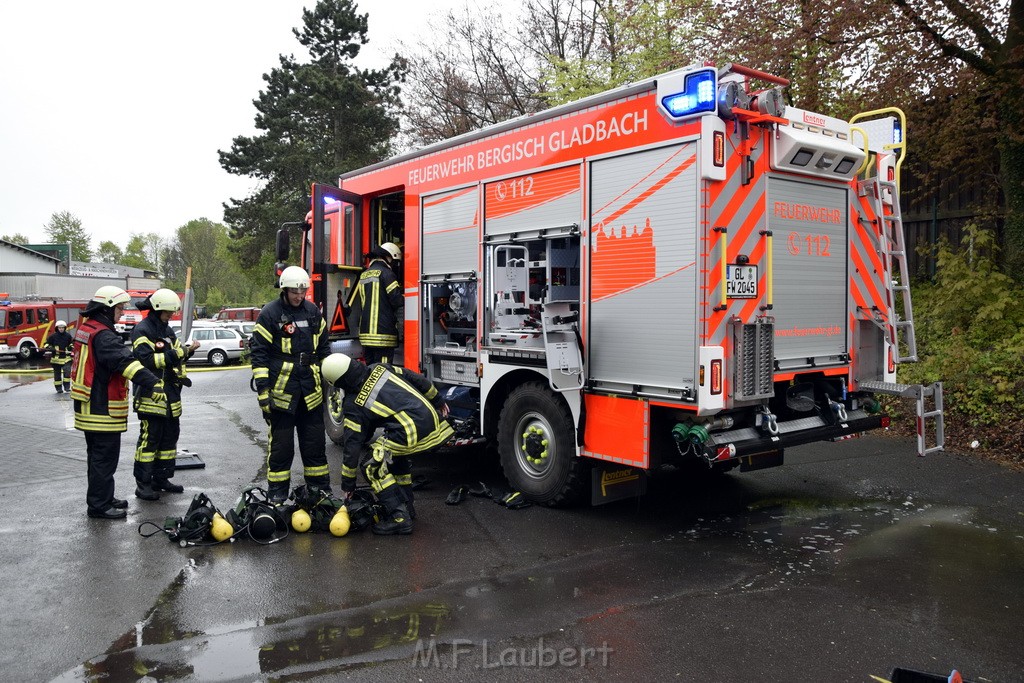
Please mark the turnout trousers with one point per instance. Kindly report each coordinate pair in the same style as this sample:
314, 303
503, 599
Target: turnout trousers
103, 450
308, 425
157, 448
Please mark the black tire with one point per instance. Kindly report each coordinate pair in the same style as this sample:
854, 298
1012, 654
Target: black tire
536, 442
218, 357
334, 421
26, 351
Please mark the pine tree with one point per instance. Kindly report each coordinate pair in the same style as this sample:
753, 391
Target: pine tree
319, 119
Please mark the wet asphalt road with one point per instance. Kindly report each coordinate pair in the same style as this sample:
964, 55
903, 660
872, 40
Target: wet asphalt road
854, 558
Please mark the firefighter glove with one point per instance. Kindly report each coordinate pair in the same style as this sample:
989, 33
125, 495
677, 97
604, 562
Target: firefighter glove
264, 398
185, 382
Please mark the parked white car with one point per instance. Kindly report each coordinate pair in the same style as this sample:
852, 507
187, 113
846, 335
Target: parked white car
217, 345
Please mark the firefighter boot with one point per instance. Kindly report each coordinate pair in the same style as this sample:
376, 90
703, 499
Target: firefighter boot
168, 486
67, 387
397, 520
407, 492
277, 493
144, 490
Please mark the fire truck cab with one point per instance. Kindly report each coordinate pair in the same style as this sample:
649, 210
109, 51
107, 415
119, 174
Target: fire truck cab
26, 325
679, 271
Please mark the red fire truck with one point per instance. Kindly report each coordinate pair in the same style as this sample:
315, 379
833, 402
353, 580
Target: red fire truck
25, 325
679, 271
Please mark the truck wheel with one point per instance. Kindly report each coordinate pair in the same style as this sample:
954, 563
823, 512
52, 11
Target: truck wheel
218, 357
334, 420
536, 441
26, 351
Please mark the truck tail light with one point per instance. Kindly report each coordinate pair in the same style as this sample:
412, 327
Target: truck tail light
716, 376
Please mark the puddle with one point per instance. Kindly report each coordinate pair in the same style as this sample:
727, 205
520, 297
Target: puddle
897, 551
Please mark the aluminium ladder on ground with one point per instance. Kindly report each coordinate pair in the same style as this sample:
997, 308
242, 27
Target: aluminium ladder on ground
893, 253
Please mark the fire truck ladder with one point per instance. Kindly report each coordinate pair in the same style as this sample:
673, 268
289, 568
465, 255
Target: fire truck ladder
893, 252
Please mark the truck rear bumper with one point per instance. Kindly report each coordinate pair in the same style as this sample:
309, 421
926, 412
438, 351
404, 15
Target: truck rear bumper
742, 443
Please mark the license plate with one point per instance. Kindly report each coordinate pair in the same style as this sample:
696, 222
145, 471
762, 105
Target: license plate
741, 281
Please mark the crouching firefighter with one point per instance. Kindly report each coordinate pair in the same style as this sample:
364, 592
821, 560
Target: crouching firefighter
157, 347
288, 343
58, 345
411, 412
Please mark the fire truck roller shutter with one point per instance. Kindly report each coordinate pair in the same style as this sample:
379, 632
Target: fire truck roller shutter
643, 284
809, 221
450, 232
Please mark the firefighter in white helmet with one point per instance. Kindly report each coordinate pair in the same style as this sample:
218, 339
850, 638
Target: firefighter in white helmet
409, 409
158, 349
100, 372
381, 304
288, 343
58, 345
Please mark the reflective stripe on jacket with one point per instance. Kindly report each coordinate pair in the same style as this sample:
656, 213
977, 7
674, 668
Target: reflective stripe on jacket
380, 305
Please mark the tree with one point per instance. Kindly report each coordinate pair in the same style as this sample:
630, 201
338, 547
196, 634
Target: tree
65, 228
988, 39
109, 252
140, 250
16, 238
319, 118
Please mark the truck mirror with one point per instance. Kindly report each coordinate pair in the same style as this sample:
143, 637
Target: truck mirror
283, 246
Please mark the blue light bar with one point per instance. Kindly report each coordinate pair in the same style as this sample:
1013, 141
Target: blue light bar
697, 97
897, 132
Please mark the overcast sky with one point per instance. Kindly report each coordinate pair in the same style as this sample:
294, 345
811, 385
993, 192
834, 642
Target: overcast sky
114, 110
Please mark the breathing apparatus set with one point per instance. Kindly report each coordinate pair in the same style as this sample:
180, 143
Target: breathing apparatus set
316, 509
202, 524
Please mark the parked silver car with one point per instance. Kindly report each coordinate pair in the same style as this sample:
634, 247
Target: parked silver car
217, 345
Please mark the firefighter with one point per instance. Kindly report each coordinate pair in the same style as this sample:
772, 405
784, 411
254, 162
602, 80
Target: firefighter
100, 373
158, 349
411, 412
58, 345
288, 343
380, 304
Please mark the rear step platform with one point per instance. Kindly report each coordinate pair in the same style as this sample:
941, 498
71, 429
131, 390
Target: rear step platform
919, 393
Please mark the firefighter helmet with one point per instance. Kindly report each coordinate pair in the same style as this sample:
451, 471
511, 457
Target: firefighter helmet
334, 366
392, 250
60, 323
296, 277
111, 296
165, 300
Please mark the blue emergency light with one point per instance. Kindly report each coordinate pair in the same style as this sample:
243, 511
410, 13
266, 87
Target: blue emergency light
697, 95
897, 132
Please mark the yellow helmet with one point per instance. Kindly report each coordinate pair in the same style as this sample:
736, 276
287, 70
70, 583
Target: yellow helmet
340, 523
109, 295
334, 366
301, 521
220, 528
165, 300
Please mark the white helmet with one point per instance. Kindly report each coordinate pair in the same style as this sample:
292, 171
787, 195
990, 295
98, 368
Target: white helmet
392, 249
165, 300
296, 277
109, 295
334, 366
60, 323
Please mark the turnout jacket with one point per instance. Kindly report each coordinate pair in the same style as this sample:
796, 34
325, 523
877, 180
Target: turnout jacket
405, 403
100, 373
156, 346
60, 344
380, 305
288, 344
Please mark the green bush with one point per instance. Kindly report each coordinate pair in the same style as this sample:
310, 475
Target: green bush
970, 334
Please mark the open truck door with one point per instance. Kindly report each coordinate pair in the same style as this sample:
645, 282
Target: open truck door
331, 253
